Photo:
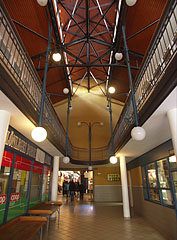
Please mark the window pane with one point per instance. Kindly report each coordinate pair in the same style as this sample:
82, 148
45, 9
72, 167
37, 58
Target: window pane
167, 197
152, 178
174, 174
163, 173
173, 161
154, 195
144, 177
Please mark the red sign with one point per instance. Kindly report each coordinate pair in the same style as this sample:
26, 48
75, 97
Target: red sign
3, 199
15, 197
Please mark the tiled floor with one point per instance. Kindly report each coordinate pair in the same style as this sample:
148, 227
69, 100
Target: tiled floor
101, 221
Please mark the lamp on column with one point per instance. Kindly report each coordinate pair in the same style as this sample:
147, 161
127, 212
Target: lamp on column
90, 125
66, 159
39, 133
138, 133
112, 158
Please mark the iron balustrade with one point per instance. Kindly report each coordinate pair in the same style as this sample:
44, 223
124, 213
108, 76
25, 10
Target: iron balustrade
14, 58
161, 52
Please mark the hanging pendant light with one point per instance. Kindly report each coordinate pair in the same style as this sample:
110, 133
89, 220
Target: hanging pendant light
42, 3
39, 134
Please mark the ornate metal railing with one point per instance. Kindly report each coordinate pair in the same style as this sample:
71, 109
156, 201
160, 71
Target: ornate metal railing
19, 65
160, 54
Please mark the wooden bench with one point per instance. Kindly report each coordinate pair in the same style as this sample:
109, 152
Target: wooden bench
22, 227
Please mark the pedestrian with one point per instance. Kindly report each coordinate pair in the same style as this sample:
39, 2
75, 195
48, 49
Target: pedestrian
72, 189
82, 191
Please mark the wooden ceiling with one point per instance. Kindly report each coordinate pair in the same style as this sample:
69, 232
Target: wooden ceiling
91, 24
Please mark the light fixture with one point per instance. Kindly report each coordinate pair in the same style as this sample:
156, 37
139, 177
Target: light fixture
138, 133
101, 123
113, 159
39, 134
130, 3
90, 168
70, 107
56, 56
118, 56
66, 160
107, 107
42, 3
65, 90
111, 90
172, 158
79, 124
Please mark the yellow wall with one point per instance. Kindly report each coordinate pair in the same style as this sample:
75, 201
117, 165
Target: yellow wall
102, 178
136, 176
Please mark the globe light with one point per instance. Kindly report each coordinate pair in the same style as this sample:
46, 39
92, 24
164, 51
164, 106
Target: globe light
39, 134
138, 133
79, 124
113, 159
56, 57
111, 90
107, 107
118, 56
42, 3
65, 90
66, 160
90, 168
130, 3
101, 123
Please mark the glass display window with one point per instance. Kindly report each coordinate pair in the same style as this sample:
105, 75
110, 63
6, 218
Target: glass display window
45, 186
36, 184
4, 178
18, 199
152, 178
174, 176
173, 162
163, 173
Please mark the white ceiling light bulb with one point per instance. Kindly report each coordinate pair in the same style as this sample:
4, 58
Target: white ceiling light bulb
138, 133
130, 3
101, 123
107, 107
65, 90
90, 168
39, 134
42, 3
118, 56
113, 159
111, 90
56, 57
66, 160
79, 124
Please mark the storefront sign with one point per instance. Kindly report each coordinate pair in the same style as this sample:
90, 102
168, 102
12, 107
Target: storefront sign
15, 197
3, 199
113, 177
16, 141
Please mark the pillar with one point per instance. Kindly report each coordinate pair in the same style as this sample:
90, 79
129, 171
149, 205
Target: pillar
172, 118
130, 188
4, 124
123, 171
54, 190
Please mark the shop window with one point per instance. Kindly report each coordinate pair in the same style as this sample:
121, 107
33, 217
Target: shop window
45, 186
4, 178
36, 185
18, 199
156, 182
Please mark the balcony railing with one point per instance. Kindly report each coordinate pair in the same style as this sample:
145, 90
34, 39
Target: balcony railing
160, 54
14, 58
18, 64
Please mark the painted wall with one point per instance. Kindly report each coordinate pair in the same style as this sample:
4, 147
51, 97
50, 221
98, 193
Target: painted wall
105, 190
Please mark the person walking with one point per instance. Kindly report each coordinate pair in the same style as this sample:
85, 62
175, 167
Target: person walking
82, 191
72, 189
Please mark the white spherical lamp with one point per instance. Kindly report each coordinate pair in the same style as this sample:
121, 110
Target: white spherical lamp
65, 90
138, 133
111, 89
130, 3
118, 56
113, 159
90, 168
42, 3
56, 57
79, 124
39, 134
66, 160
